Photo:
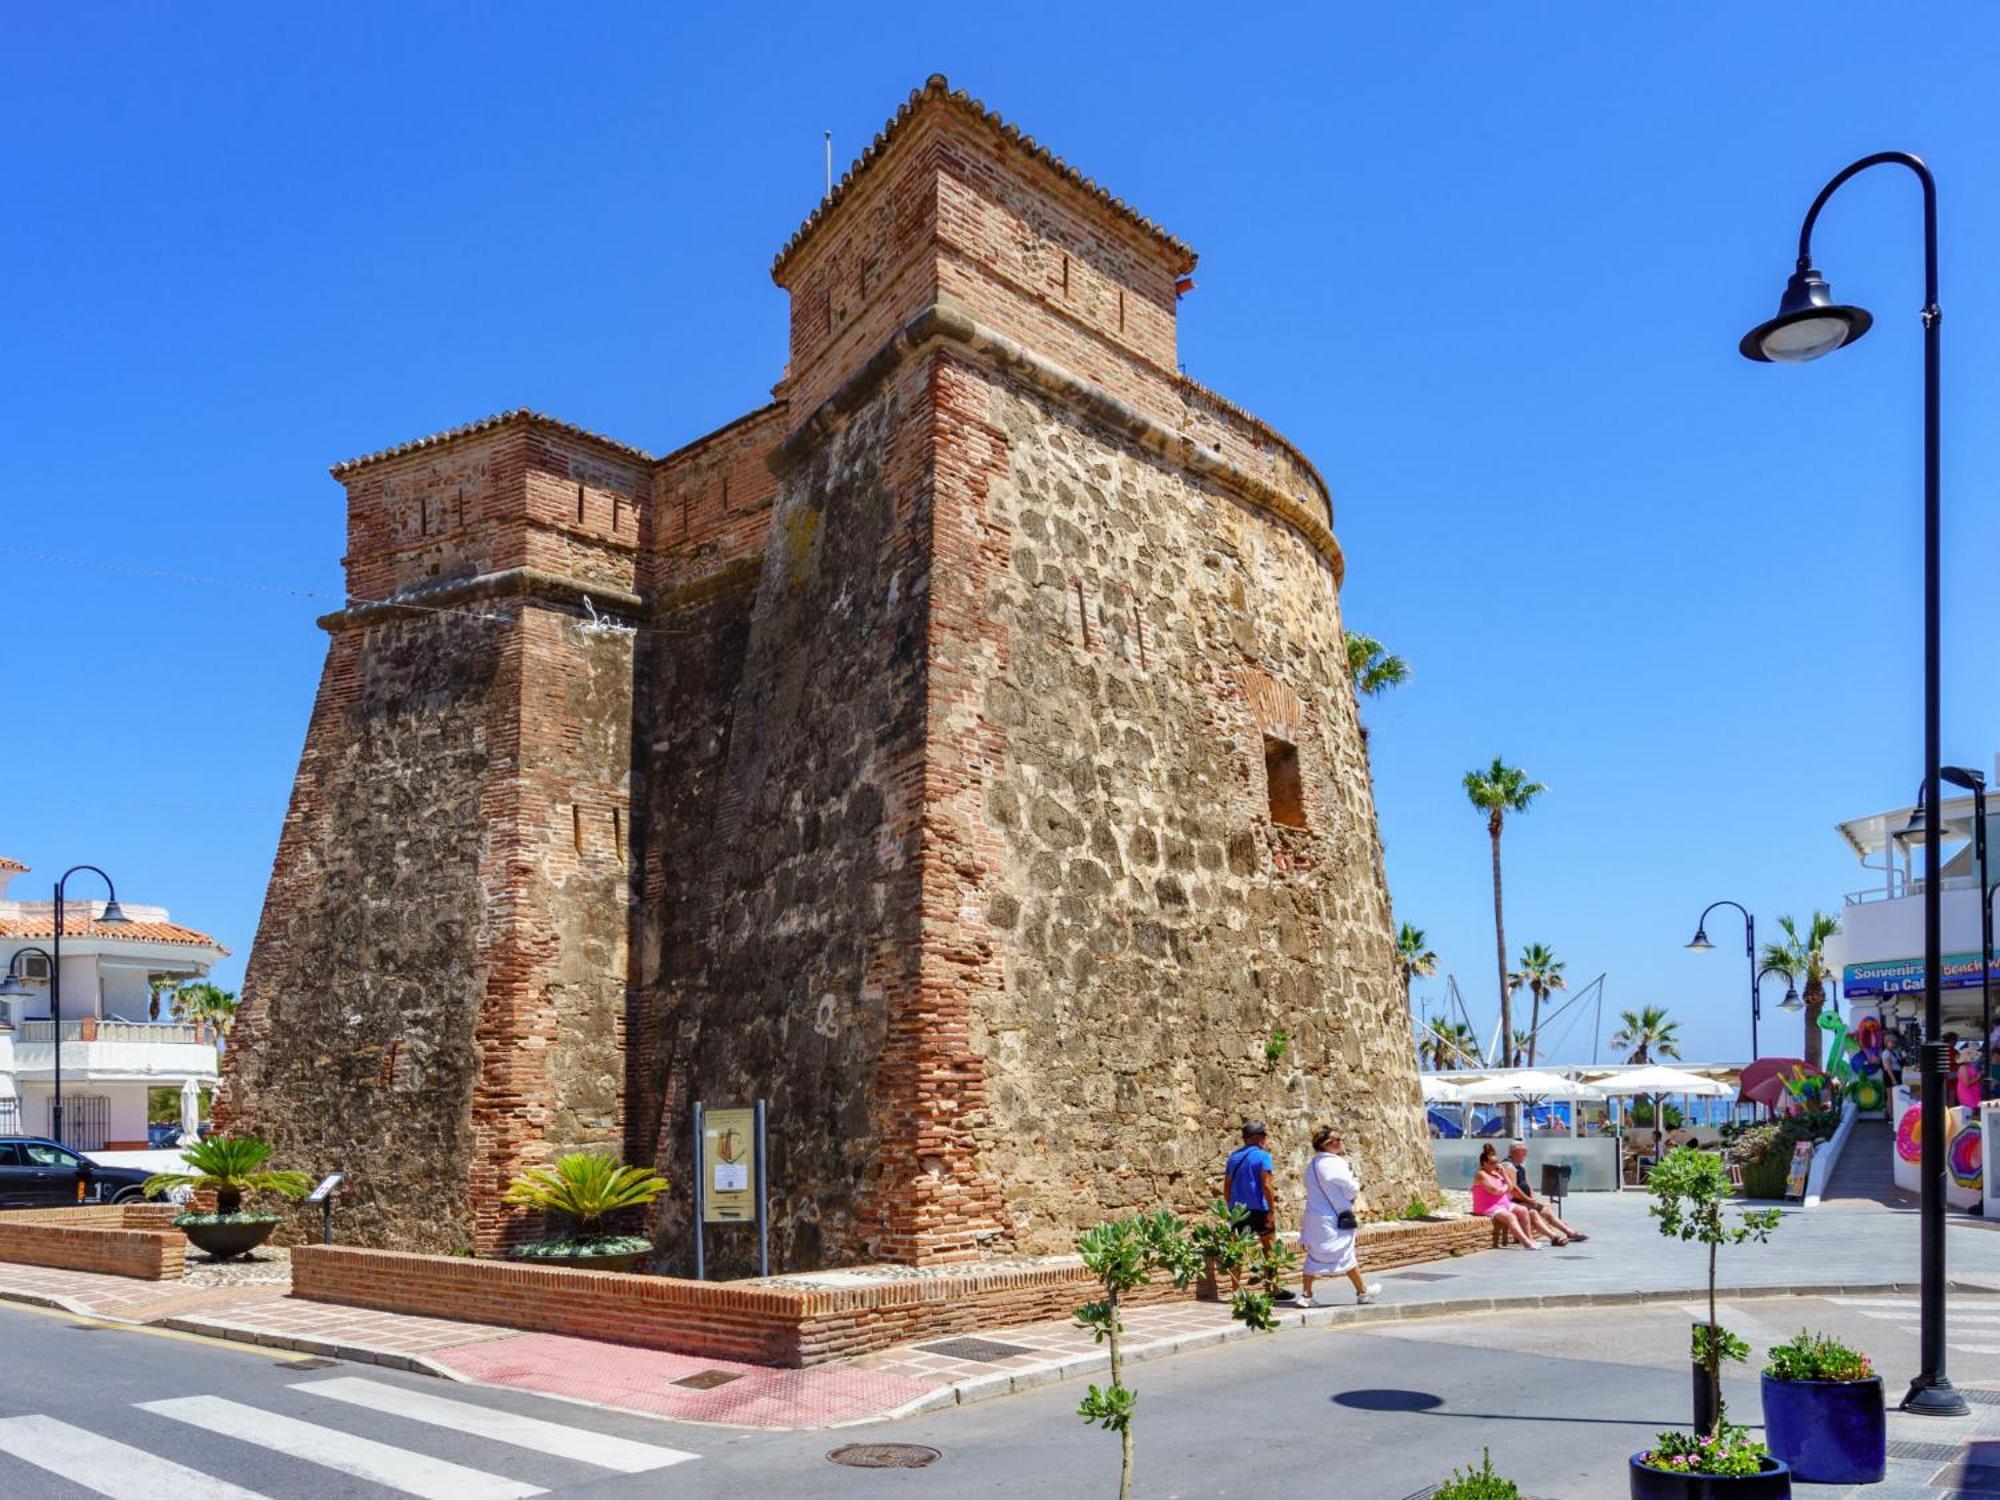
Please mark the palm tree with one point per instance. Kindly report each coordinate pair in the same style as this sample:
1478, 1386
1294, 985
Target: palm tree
1802, 957
1497, 791
1542, 972
203, 1001
1646, 1031
1414, 959
1448, 1044
1371, 668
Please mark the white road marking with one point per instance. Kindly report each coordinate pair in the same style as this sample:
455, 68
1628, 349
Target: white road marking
532, 1433
108, 1468
397, 1468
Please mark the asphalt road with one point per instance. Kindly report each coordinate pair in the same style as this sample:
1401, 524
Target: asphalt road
1560, 1397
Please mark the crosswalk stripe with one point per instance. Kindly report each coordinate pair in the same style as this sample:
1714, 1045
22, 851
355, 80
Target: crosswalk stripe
397, 1468
622, 1454
106, 1467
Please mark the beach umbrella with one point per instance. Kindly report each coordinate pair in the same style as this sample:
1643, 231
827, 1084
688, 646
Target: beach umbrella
1517, 1084
1439, 1090
1658, 1080
1763, 1082
191, 1110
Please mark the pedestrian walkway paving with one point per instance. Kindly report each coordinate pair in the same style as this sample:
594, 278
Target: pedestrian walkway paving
1857, 1250
355, 1427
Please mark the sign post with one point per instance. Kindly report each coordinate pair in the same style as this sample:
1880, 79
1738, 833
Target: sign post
729, 1176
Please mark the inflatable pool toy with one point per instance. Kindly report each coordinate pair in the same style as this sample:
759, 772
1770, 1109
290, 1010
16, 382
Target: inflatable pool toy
1909, 1134
1867, 1092
1962, 1156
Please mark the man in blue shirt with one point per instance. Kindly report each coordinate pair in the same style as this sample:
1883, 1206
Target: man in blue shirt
1246, 1182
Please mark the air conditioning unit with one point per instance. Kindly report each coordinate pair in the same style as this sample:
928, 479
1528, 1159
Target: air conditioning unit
35, 968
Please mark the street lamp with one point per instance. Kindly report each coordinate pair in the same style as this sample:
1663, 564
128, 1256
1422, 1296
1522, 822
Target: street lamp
1699, 943
113, 913
1810, 324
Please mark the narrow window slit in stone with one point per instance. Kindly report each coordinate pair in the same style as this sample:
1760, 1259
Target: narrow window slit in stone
1082, 616
461, 505
576, 826
1065, 275
579, 505
1139, 632
1121, 310
423, 515
618, 832
1282, 783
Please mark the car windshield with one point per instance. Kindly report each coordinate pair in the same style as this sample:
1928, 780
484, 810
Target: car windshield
50, 1156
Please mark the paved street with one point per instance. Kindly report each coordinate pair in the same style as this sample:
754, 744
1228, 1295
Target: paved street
1375, 1413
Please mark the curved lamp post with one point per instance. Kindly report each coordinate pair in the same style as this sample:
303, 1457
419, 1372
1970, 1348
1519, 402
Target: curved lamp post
1699, 943
1810, 324
113, 913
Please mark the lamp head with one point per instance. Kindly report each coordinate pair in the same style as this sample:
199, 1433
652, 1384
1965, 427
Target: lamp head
1699, 943
11, 987
1809, 323
1791, 1000
1971, 780
113, 912
1912, 832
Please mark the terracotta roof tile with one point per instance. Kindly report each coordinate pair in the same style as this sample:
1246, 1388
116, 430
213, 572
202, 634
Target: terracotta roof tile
938, 87
488, 424
76, 927
12, 866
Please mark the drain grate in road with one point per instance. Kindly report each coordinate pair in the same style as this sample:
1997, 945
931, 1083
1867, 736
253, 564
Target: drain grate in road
706, 1380
1424, 1275
885, 1455
1981, 1398
985, 1351
311, 1362
1938, 1453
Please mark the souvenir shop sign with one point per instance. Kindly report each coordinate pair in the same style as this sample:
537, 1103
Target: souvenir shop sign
1905, 976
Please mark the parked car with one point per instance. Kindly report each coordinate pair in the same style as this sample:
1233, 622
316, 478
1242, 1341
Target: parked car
38, 1173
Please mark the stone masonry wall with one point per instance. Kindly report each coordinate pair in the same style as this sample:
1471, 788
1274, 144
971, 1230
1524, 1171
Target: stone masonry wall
1155, 927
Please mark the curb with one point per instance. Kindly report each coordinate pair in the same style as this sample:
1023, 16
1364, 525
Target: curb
1005, 1382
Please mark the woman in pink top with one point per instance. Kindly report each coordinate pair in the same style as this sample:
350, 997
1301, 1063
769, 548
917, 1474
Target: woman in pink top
1493, 1198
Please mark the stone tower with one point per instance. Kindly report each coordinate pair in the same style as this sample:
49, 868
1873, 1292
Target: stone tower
957, 753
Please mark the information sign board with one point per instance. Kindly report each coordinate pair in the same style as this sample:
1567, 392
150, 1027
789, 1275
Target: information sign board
729, 1166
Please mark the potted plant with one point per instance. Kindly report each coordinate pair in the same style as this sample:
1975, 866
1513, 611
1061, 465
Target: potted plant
1477, 1484
1823, 1412
1716, 1461
586, 1188
228, 1166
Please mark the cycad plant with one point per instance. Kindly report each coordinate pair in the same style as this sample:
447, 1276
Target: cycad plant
586, 1187
230, 1166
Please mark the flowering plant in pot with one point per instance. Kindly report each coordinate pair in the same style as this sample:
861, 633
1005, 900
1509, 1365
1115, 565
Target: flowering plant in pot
1823, 1412
1716, 1461
586, 1188
228, 1166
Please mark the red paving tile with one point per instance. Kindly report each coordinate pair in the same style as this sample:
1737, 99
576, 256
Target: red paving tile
641, 1380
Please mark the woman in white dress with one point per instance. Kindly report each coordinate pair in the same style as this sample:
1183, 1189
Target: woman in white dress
1327, 1229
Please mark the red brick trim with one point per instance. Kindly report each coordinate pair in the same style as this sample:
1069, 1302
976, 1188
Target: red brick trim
112, 1240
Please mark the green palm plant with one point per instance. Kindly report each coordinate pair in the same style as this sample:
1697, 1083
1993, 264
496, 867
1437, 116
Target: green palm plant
586, 1187
202, 1001
1497, 791
1371, 667
230, 1166
1646, 1031
1542, 973
1801, 958
1414, 958
1448, 1044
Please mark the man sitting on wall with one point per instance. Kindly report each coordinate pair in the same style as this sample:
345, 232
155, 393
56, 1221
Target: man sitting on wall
1539, 1209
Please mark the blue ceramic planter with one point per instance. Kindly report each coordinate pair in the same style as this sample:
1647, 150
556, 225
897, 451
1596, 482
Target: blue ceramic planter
1829, 1431
1775, 1483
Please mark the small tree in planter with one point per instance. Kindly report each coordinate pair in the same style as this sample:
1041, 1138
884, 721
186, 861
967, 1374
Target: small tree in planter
228, 1166
1124, 1255
1823, 1412
1223, 1246
586, 1188
1689, 1188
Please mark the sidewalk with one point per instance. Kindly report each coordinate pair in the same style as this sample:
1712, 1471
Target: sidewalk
1832, 1249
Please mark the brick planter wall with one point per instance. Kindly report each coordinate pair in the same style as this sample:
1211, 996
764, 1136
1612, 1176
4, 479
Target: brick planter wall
772, 1322
113, 1240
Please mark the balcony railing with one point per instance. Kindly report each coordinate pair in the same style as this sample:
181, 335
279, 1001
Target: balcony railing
91, 1029
1909, 888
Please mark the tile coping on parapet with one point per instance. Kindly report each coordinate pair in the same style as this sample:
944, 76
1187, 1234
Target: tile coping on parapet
1005, 1382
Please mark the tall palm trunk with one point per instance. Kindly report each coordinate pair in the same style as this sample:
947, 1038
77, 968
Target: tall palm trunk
1815, 998
1534, 1022
1500, 951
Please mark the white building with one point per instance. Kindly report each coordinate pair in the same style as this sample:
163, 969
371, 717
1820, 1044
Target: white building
1879, 953
113, 1051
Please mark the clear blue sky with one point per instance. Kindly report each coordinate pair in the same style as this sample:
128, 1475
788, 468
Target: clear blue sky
1486, 264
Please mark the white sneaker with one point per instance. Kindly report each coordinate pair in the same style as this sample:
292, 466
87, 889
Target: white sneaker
1367, 1295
